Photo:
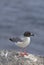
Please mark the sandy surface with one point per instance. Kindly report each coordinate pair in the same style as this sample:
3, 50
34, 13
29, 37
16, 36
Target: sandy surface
12, 57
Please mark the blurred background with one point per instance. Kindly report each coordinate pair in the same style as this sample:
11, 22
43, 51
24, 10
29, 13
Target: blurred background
18, 16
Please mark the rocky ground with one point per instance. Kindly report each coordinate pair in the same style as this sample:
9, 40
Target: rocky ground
12, 57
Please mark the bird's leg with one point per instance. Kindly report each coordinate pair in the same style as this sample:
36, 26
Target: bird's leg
24, 52
21, 52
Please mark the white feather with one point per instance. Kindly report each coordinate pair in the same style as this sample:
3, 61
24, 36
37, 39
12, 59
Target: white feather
24, 43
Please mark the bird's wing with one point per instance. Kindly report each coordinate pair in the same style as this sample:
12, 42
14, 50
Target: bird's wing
16, 39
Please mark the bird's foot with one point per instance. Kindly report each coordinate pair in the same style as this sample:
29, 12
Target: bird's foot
23, 54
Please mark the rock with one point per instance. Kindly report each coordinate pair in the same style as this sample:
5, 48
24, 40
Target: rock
12, 57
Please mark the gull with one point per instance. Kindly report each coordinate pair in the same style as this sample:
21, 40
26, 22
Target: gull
22, 42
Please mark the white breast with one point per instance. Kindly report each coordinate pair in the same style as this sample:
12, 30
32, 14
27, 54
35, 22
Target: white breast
25, 42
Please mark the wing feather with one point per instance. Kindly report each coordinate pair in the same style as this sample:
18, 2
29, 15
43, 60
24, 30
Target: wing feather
15, 39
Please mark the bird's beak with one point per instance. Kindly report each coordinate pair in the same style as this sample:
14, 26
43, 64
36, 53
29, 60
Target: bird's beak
32, 34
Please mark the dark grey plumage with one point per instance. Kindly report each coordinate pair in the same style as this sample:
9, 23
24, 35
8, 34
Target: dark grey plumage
15, 39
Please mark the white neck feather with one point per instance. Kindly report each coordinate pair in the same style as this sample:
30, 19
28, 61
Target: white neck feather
27, 39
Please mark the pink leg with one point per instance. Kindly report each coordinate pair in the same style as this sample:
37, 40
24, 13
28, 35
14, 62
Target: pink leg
24, 52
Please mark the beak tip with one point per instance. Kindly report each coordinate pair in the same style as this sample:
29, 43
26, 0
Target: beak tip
32, 34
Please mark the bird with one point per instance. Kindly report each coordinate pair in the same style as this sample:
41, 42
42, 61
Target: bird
22, 42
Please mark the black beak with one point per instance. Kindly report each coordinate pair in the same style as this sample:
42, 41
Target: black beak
32, 34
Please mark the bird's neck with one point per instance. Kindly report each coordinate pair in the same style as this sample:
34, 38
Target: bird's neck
27, 39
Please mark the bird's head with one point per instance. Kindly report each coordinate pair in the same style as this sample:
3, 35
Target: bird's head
28, 34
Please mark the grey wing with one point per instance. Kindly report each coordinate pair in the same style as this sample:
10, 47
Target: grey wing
15, 39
